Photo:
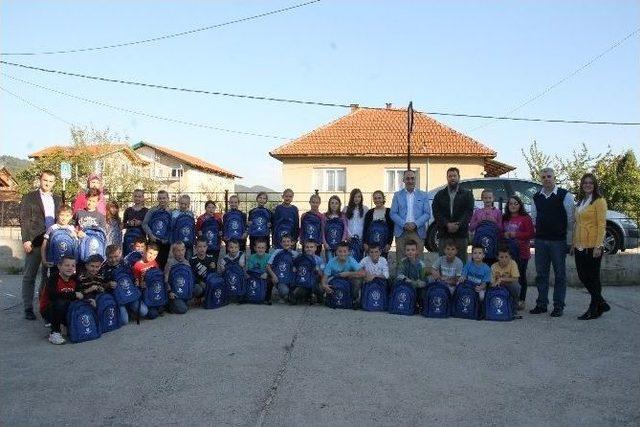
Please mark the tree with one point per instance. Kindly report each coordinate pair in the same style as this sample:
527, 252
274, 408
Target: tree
569, 171
536, 160
618, 176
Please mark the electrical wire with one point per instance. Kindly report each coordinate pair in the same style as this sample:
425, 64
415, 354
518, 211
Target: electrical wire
44, 110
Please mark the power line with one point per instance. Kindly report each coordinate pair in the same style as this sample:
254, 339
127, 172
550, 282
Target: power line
568, 76
164, 37
307, 102
142, 113
44, 110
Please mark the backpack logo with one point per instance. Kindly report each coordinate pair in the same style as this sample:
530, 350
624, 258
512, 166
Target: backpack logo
218, 293
62, 246
376, 295
210, 235
235, 225
94, 245
282, 267
303, 273
311, 230
185, 232
84, 319
437, 302
260, 223
126, 285
157, 289
339, 295
497, 303
402, 298
466, 302
333, 233
376, 237
485, 242
180, 282
111, 315
158, 227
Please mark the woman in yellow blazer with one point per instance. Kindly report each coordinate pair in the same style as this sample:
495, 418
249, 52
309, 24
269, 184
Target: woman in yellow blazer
588, 236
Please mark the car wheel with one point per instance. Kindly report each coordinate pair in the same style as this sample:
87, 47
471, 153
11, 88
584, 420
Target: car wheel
431, 242
612, 240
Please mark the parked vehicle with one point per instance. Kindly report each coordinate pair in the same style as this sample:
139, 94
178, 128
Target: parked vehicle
622, 231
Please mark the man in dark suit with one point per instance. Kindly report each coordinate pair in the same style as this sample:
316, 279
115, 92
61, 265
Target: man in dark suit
452, 210
37, 213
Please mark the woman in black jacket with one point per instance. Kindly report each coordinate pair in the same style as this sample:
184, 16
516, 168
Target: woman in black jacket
373, 231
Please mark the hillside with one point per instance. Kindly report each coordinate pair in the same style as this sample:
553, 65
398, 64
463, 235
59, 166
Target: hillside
14, 164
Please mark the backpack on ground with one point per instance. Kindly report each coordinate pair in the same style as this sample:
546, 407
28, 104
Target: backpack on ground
108, 313
259, 218
181, 281
333, 232
93, 243
374, 295
129, 238
356, 249
214, 294
126, 291
160, 224
82, 322
341, 296
183, 230
284, 227
61, 243
466, 301
211, 231
256, 287
234, 278
311, 228
437, 301
306, 275
378, 234
233, 225
282, 266
486, 235
155, 293
498, 305
403, 299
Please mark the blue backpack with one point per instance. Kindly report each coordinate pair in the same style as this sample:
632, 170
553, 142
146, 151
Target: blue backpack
514, 249
93, 243
233, 225
403, 299
284, 227
82, 322
374, 295
214, 295
211, 231
355, 246
256, 288
183, 230
282, 266
234, 278
498, 305
133, 257
259, 218
129, 238
437, 301
108, 313
377, 233
126, 291
341, 296
155, 293
306, 275
311, 228
181, 281
486, 235
466, 302
61, 243
160, 224
333, 231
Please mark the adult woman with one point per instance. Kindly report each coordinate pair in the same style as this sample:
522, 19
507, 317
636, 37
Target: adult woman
378, 213
588, 235
518, 225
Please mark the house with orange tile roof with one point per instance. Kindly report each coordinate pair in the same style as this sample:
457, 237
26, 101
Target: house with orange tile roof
8, 186
367, 149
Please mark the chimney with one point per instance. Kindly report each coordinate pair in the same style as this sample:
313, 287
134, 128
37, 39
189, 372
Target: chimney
388, 105
354, 107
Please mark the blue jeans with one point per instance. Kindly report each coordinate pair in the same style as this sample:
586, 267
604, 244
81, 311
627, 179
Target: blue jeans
548, 253
283, 290
133, 306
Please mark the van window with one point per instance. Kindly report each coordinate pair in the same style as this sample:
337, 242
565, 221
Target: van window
525, 190
477, 187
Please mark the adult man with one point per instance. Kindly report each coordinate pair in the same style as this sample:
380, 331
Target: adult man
553, 213
452, 210
410, 212
37, 213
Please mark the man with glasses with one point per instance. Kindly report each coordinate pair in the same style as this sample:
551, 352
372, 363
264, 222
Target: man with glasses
553, 214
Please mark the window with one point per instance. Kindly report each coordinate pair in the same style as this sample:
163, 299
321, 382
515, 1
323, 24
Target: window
331, 179
496, 186
525, 190
393, 179
176, 172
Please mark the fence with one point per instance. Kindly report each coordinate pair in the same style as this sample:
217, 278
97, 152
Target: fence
9, 214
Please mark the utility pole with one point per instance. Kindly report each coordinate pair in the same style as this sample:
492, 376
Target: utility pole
409, 130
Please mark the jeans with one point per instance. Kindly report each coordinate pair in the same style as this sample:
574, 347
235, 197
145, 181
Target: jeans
283, 290
522, 269
302, 295
32, 264
133, 306
180, 306
551, 253
57, 314
589, 274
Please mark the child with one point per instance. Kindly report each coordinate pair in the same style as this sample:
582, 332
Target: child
114, 224
210, 212
236, 256
202, 263
234, 224
286, 220
354, 214
312, 223
259, 223
286, 242
302, 294
138, 248
487, 213
132, 220
448, 267
59, 292
89, 218
139, 268
177, 305
184, 202
345, 266
65, 214
90, 283
257, 261
107, 271
382, 214
375, 266
476, 271
505, 273
411, 269
162, 244
335, 230
518, 225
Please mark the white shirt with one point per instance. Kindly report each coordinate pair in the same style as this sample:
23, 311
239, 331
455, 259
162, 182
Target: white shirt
411, 197
380, 268
379, 214
355, 225
586, 202
49, 208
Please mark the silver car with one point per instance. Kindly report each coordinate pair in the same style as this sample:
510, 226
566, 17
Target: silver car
622, 231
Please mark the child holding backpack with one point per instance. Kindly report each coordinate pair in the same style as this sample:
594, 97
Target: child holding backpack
138, 248
114, 223
60, 291
157, 226
505, 273
183, 225
335, 227
259, 221
257, 264
378, 225
132, 221
345, 266
209, 226
354, 214
178, 304
234, 257
308, 267
286, 220
448, 267
491, 214
60, 239
201, 262
90, 283
280, 268
375, 266
234, 224
147, 262
90, 219
114, 265
477, 272
411, 269
312, 223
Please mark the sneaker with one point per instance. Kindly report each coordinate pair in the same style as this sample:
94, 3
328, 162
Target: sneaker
47, 325
29, 314
538, 310
521, 305
56, 338
556, 312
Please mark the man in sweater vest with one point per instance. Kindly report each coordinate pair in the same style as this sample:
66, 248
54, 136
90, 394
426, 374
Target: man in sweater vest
553, 213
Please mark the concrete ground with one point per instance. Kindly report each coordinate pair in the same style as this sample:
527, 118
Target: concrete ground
281, 365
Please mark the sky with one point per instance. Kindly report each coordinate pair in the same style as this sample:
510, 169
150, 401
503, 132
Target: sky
475, 57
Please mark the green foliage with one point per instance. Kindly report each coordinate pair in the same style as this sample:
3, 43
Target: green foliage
618, 176
14, 164
570, 170
536, 161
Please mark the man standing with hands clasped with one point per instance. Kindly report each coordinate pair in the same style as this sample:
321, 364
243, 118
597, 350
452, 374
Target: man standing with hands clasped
37, 213
410, 212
